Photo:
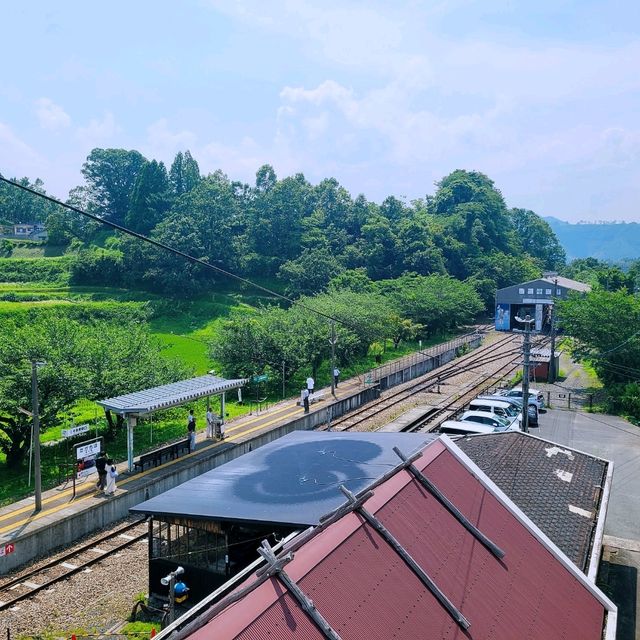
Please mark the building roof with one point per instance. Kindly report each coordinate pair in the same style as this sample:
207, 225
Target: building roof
364, 589
567, 283
169, 395
560, 489
291, 481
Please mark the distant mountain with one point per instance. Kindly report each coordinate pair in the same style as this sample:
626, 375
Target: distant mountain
610, 241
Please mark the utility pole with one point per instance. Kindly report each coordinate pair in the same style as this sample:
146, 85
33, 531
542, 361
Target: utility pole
36, 433
332, 341
551, 377
283, 379
526, 347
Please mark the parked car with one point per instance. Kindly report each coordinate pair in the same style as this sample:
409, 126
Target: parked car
466, 428
500, 408
497, 422
517, 403
535, 397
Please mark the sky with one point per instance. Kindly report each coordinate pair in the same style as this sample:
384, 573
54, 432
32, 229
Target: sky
386, 97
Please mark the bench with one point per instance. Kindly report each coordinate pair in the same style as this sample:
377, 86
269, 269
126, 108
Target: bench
314, 397
171, 451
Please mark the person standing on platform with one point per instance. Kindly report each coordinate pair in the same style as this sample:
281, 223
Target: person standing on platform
310, 384
191, 429
101, 468
336, 376
305, 400
112, 474
210, 423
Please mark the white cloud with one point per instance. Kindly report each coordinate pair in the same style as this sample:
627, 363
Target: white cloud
98, 130
164, 143
51, 116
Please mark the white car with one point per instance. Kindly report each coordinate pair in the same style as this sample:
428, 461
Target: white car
536, 397
464, 428
502, 408
491, 420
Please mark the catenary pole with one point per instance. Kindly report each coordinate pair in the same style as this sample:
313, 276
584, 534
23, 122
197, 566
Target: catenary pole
551, 377
36, 434
333, 357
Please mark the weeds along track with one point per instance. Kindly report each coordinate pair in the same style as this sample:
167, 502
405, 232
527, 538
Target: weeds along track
77, 559
481, 358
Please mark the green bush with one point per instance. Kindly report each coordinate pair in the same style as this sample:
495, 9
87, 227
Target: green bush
43, 270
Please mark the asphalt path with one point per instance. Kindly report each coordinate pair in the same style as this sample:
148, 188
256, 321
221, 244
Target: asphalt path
617, 440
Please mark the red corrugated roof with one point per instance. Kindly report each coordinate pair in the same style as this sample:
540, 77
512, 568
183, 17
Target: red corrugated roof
365, 591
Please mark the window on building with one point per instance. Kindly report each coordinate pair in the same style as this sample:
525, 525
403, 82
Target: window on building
530, 291
547, 292
558, 292
538, 292
521, 290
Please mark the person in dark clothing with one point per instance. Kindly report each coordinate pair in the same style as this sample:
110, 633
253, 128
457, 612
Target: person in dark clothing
191, 430
101, 467
305, 400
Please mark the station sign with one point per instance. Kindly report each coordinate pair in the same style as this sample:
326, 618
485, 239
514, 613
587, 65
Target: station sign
75, 431
263, 377
86, 454
7, 549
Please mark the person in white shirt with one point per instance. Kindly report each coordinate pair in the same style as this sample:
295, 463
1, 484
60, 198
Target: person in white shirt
305, 400
310, 384
210, 423
336, 376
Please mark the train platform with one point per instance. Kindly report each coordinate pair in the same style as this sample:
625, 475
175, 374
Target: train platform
26, 534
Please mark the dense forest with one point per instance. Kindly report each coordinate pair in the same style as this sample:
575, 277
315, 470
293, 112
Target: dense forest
302, 234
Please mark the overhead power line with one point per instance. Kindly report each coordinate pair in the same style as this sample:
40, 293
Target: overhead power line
166, 247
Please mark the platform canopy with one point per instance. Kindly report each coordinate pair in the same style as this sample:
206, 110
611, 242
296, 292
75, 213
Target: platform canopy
291, 481
169, 395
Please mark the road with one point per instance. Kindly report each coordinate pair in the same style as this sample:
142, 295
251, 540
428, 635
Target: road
617, 440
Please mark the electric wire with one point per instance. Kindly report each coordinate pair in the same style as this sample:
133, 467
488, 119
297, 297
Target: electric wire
166, 247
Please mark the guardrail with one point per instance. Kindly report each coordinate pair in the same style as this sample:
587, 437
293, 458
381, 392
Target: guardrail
421, 362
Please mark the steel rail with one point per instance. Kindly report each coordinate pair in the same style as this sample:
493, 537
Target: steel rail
69, 572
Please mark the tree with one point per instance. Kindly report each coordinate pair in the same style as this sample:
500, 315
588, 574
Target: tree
310, 272
538, 239
204, 223
18, 206
184, 174
603, 326
150, 200
94, 359
111, 175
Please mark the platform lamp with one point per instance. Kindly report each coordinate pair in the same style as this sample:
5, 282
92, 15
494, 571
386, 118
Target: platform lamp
170, 581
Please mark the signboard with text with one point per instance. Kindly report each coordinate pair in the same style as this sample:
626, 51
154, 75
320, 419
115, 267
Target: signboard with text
86, 454
75, 431
6, 549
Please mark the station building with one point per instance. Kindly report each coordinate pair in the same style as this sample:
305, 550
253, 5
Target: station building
431, 549
212, 525
534, 298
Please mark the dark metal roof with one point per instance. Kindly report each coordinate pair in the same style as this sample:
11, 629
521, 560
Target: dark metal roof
170, 395
364, 589
291, 481
559, 488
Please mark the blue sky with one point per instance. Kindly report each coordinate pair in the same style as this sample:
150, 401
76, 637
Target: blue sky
387, 97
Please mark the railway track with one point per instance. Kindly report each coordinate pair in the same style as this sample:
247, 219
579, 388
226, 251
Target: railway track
478, 358
433, 417
78, 559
